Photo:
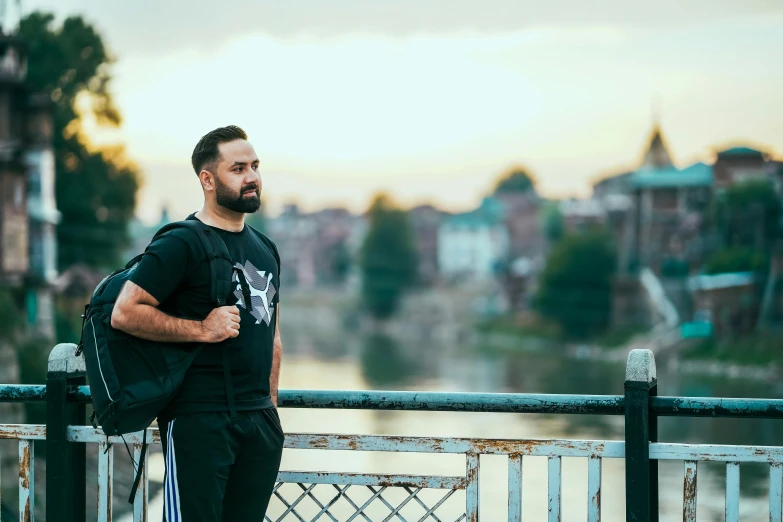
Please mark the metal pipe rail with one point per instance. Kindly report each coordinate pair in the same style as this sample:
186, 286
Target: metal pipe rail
66, 396
473, 402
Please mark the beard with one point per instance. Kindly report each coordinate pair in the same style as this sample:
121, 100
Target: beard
237, 202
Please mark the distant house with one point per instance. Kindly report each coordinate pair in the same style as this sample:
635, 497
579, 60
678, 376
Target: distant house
425, 221
667, 204
669, 208
333, 255
28, 210
316, 248
581, 214
14, 225
522, 218
474, 245
655, 156
294, 234
670, 203
729, 302
737, 164
613, 185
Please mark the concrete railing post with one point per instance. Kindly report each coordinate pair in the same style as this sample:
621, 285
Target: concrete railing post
65, 462
641, 428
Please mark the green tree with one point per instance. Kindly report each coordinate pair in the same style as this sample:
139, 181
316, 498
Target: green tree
341, 261
95, 188
32, 355
388, 258
575, 288
10, 316
517, 179
747, 214
384, 364
554, 225
736, 259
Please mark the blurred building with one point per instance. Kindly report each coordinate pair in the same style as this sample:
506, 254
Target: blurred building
334, 256
737, 164
316, 249
522, 219
14, 226
665, 229
728, 301
615, 184
28, 217
425, 221
474, 246
580, 215
295, 234
669, 205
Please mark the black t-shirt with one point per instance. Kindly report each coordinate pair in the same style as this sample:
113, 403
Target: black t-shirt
175, 271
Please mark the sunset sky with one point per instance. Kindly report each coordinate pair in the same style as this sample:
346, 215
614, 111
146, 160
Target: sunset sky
431, 99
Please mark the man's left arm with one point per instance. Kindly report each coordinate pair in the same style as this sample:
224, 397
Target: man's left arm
277, 355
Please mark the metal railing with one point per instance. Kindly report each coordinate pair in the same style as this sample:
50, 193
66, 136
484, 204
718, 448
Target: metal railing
299, 495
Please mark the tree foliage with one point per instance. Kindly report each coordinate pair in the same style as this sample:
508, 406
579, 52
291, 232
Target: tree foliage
95, 188
553, 222
10, 316
518, 179
383, 362
388, 258
736, 259
748, 214
575, 287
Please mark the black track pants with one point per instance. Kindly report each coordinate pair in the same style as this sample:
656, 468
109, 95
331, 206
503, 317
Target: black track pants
220, 468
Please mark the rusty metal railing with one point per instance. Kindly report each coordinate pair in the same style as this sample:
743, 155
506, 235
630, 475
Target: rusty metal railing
299, 495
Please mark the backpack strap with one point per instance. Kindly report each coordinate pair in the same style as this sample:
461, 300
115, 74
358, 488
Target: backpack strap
221, 271
221, 266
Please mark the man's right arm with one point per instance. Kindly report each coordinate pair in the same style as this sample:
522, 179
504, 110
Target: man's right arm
136, 313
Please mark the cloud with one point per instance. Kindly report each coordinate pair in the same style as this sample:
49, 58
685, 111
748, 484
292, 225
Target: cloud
150, 26
431, 97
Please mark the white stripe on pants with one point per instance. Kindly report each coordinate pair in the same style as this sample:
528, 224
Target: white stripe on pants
171, 487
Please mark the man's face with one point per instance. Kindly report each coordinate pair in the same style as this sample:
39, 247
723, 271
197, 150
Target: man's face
237, 183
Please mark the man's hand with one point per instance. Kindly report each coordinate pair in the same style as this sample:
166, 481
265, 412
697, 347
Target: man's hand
220, 324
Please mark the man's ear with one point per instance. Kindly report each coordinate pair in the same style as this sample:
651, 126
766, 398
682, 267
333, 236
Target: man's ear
207, 180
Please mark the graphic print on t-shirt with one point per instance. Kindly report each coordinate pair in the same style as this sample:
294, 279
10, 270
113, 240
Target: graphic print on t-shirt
262, 292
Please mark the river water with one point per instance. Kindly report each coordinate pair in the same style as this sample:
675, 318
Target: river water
346, 361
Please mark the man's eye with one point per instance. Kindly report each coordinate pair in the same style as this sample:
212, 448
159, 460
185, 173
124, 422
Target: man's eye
255, 167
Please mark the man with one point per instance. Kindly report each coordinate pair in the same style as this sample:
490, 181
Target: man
221, 434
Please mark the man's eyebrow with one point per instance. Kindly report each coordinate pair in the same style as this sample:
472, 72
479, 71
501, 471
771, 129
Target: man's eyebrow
243, 163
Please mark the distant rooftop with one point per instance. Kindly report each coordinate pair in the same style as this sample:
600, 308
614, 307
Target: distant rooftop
717, 281
657, 155
491, 212
696, 175
740, 151
581, 207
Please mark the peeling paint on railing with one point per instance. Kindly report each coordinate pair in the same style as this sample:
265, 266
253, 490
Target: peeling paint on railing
344, 484
26, 481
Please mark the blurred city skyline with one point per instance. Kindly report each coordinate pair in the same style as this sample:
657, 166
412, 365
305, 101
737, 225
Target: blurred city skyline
432, 101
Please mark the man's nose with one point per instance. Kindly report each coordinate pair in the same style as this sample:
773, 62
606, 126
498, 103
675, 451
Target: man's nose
252, 178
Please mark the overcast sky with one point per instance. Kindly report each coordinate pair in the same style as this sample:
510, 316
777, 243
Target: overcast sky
432, 99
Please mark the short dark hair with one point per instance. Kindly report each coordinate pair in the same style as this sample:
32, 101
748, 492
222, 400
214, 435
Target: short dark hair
207, 154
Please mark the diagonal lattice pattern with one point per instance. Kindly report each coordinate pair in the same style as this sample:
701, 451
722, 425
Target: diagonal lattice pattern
348, 503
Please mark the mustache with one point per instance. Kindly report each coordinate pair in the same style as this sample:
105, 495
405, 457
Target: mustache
249, 188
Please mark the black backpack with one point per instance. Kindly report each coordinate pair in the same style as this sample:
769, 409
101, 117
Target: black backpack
133, 379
